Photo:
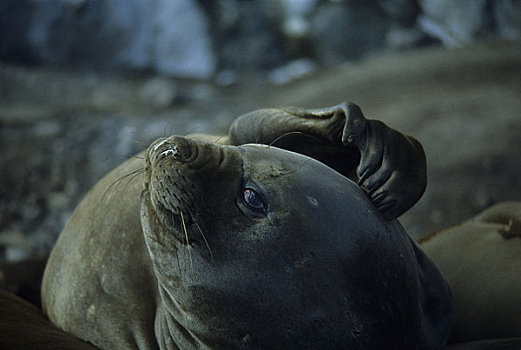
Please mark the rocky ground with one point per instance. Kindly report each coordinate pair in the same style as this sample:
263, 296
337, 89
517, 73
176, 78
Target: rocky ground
60, 131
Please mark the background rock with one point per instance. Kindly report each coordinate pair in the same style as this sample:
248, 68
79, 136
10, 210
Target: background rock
454, 22
403, 12
349, 30
181, 43
244, 35
507, 17
244, 39
168, 37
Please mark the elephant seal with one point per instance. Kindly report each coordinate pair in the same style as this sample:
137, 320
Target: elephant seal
24, 326
388, 165
481, 258
488, 344
218, 246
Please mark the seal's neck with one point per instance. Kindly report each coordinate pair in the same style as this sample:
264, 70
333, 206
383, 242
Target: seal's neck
170, 325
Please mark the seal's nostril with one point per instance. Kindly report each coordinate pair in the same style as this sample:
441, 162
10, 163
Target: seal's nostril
173, 151
159, 144
180, 147
176, 148
166, 153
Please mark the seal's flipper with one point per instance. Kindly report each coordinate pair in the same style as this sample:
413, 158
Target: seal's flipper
506, 214
317, 133
392, 169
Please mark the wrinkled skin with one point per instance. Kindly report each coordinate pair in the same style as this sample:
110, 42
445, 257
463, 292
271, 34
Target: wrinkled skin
227, 247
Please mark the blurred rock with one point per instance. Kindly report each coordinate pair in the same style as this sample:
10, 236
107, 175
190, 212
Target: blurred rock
226, 77
507, 16
159, 91
296, 17
169, 37
402, 33
245, 38
293, 70
403, 12
16, 246
399, 38
181, 44
454, 23
346, 30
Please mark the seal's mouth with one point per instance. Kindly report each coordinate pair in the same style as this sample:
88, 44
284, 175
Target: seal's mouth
170, 191
179, 175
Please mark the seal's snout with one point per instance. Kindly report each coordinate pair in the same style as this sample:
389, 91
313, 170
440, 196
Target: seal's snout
176, 147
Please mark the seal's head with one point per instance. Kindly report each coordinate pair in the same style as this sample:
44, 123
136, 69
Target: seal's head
257, 247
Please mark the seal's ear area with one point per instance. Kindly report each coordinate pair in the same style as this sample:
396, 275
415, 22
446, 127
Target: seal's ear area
436, 302
506, 214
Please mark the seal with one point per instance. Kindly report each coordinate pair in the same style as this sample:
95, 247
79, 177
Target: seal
388, 165
488, 344
220, 246
481, 259
24, 326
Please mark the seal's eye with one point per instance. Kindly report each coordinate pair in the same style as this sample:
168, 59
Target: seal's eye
253, 199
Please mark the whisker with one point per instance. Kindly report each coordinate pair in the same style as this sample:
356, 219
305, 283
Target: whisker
298, 168
284, 135
204, 238
169, 129
294, 133
219, 139
191, 131
187, 242
130, 176
202, 234
125, 156
137, 141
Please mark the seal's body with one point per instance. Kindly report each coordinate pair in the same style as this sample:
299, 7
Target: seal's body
99, 269
252, 246
481, 258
